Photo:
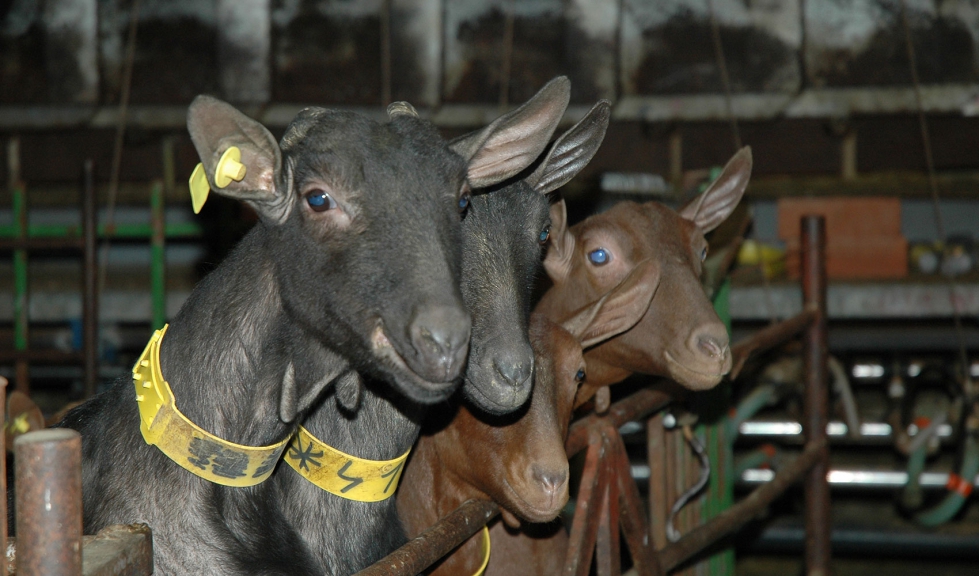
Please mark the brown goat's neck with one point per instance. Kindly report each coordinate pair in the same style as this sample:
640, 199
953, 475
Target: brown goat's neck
429, 491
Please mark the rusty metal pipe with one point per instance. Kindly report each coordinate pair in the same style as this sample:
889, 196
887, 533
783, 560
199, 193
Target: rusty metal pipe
3, 481
816, 397
633, 407
48, 494
90, 313
770, 336
742, 512
434, 543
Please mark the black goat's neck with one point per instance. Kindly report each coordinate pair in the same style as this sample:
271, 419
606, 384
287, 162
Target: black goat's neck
382, 427
229, 349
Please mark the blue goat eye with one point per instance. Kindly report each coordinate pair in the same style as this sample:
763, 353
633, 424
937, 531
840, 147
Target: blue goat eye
544, 235
580, 376
320, 201
464, 202
599, 256
703, 255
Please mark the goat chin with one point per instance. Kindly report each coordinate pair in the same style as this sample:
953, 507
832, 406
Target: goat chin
697, 376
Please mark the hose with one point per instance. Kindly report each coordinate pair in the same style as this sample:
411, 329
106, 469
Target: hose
671, 533
959, 486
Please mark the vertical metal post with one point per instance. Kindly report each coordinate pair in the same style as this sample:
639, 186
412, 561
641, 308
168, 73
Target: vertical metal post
3, 481
21, 298
90, 305
817, 552
158, 261
49, 502
656, 456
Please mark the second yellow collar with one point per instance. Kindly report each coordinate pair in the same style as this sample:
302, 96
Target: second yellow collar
341, 474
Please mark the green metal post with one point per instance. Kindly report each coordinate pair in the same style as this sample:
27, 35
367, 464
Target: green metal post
158, 262
19, 194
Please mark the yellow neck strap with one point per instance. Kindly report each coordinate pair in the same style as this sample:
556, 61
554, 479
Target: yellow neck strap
486, 552
342, 474
186, 443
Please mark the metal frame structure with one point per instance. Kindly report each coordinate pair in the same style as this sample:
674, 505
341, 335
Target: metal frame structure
608, 499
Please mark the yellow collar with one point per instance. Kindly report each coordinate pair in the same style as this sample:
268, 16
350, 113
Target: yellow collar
186, 443
341, 474
486, 552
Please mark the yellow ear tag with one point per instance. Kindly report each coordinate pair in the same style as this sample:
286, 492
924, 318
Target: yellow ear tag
199, 188
229, 168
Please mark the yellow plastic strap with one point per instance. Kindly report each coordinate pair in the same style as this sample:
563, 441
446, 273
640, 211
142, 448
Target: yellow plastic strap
186, 443
486, 552
342, 474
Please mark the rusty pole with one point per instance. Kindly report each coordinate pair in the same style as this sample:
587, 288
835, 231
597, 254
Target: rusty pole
3, 482
817, 551
48, 494
90, 305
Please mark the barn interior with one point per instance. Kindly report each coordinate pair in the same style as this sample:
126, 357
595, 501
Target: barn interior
864, 112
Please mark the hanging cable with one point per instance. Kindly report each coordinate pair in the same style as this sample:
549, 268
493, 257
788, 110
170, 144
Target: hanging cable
127, 78
715, 29
507, 63
933, 186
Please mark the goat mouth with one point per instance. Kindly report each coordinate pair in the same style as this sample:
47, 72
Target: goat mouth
527, 510
699, 380
428, 391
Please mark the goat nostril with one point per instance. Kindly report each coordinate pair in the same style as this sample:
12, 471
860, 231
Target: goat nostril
711, 347
551, 480
515, 373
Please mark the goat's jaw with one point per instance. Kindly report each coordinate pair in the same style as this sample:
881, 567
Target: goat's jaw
407, 380
697, 379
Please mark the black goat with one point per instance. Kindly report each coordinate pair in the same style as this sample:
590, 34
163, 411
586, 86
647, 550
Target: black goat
502, 234
354, 266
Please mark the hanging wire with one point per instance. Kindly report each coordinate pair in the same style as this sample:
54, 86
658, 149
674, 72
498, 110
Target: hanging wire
672, 534
385, 53
127, 77
715, 29
507, 56
933, 187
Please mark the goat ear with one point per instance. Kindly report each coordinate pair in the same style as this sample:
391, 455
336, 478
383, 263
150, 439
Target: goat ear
349, 390
216, 126
716, 203
514, 140
572, 151
560, 249
619, 309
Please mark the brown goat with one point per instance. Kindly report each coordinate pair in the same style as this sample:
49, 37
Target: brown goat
519, 460
680, 336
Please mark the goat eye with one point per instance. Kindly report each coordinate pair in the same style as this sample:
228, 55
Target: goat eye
544, 235
703, 254
599, 256
320, 201
463, 202
580, 376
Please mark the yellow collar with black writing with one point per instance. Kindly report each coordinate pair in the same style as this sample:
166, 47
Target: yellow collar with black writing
186, 443
341, 474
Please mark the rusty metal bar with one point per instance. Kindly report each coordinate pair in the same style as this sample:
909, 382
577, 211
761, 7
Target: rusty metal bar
45, 356
48, 492
771, 336
635, 528
815, 399
3, 481
434, 543
607, 557
633, 407
744, 511
90, 310
655, 455
584, 526
41, 243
